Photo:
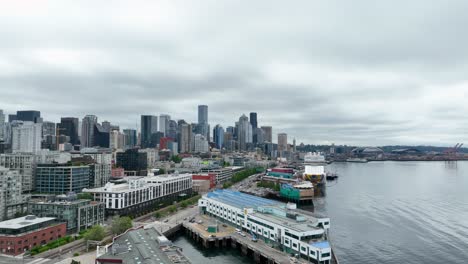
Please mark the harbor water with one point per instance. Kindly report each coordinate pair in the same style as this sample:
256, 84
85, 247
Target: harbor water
386, 212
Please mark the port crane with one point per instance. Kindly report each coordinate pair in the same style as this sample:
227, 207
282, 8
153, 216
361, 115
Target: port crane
454, 150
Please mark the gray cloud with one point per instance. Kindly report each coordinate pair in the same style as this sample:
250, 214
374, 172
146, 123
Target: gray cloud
360, 72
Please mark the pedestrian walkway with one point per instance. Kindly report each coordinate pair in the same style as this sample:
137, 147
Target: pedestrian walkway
37, 261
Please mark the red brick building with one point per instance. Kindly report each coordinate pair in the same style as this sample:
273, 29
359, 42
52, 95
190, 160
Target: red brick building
21, 234
164, 141
117, 172
209, 176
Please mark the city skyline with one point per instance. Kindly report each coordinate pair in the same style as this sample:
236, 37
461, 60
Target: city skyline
310, 70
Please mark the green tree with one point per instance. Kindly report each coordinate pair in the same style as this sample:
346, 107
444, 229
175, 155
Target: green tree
121, 224
96, 233
75, 262
176, 158
86, 196
161, 171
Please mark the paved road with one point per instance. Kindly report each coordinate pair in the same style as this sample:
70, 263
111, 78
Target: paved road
171, 221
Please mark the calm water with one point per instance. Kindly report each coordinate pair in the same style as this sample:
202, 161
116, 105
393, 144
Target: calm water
387, 212
199, 255
399, 212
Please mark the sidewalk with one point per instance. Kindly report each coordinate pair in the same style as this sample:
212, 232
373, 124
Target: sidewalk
86, 258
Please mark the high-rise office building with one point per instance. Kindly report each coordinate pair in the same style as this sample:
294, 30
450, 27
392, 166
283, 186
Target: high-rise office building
48, 128
130, 138
87, 130
268, 136
2, 125
149, 126
244, 132
259, 135
253, 120
218, 136
200, 144
164, 123
282, 142
133, 160
106, 125
185, 138
172, 130
101, 136
68, 126
203, 127
26, 137
61, 178
11, 118
29, 115
202, 114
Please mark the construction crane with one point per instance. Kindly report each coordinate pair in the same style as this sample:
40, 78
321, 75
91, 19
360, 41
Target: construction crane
454, 150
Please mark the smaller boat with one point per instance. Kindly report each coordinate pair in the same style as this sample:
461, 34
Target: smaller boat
357, 160
331, 176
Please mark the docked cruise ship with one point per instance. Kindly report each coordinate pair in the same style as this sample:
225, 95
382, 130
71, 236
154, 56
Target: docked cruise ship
314, 168
295, 231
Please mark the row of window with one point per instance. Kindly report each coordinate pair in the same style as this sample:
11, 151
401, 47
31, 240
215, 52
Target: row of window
260, 223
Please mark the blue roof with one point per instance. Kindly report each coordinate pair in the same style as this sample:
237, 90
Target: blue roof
322, 245
239, 200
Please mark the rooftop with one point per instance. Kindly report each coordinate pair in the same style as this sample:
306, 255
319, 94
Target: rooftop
270, 210
143, 246
24, 221
240, 200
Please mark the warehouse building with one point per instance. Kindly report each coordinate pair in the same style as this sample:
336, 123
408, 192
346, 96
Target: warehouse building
296, 231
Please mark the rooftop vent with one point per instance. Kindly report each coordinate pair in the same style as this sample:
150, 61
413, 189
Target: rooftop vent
30, 217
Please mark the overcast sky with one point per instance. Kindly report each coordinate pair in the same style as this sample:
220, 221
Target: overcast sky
348, 72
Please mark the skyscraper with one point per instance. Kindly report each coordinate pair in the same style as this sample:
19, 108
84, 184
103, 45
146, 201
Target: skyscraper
87, 131
203, 127
218, 136
68, 126
130, 138
48, 128
268, 137
185, 141
164, 123
29, 115
282, 142
101, 136
253, 120
11, 118
200, 144
172, 130
202, 114
149, 126
244, 132
2, 125
26, 137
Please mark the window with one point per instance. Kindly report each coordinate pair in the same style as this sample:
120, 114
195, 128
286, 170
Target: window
294, 245
303, 249
325, 255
